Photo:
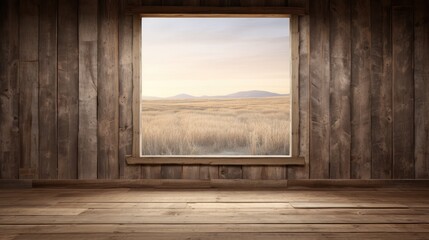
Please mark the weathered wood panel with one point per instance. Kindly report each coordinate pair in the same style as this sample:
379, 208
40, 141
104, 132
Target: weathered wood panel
171, 172
126, 92
360, 160
108, 90
68, 88
48, 157
9, 98
421, 86
230, 172
152, 171
339, 107
403, 92
29, 53
319, 89
191, 172
87, 137
251, 172
28, 86
304, 107
381, 90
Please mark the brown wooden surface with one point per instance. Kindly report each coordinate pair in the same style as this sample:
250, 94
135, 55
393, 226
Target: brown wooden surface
421, 84
108, 90
304, 87
360, 157
403, 93
339, 90
48, 163
83, 111
68, 88
28, 85
217, 160
214, 11
9, 100
87, 137
381, 90
214, 214
126, 92
319, 89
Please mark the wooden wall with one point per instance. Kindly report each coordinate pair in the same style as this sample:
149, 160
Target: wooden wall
66, 70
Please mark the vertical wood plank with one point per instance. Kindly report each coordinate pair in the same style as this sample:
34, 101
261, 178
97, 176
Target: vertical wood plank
421, 86
48, 157
403, 93
302, 172
152, 2
28, 86
381, 90
68, 88
209, 172
9, 57
147, 171
171, 172
230, 172
361, 90
274, 173
340, 61
191, 172
251, 172
136, 84
108, 90
87, 136
126, 93
319, 89
211, 3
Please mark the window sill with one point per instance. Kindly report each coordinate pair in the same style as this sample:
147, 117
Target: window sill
215, 160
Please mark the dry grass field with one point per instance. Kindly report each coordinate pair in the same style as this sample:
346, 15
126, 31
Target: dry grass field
252, 126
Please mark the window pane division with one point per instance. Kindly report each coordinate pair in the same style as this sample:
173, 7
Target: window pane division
215, 86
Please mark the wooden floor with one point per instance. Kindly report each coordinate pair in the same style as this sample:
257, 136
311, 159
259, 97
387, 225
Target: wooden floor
214, 214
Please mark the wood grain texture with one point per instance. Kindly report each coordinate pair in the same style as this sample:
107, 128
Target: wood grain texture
302, 172
319, 89
403, 92
215, 11
360, 160
126, 92
171, 171
108, 90
339, 103
9, 89
421, 86
252, 172
191, 172
230, 172
152, 171
381, 90
68, 88
29, 85
87, 136
48, 151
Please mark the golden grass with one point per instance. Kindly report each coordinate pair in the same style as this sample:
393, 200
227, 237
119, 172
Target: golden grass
258, 126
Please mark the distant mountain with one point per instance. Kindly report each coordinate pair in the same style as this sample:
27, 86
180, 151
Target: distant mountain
252, 94
181, 96
242, 94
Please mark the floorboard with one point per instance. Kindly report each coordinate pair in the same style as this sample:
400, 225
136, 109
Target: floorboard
48, 213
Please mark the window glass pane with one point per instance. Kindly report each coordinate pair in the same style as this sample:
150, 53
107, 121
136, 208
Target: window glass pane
215, 86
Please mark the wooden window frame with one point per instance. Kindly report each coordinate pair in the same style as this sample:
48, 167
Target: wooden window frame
140, 12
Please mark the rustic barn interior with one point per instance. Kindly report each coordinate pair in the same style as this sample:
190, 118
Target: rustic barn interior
68, 70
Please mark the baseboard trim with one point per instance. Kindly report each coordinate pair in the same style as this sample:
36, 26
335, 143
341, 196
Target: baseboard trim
214, 183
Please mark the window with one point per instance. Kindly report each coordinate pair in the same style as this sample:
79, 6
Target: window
217, 89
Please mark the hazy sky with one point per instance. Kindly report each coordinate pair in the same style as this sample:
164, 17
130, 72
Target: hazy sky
214, 56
